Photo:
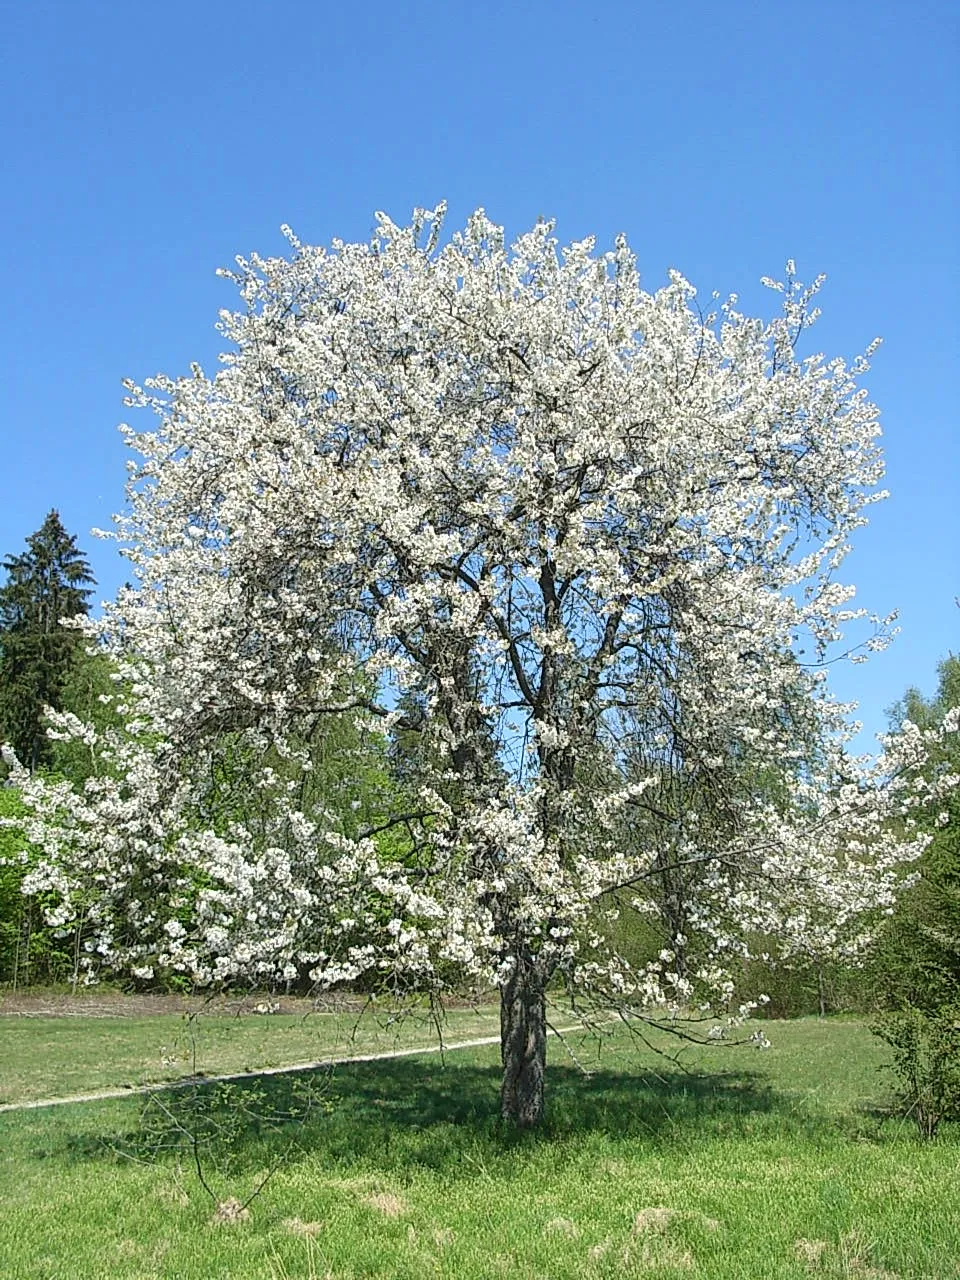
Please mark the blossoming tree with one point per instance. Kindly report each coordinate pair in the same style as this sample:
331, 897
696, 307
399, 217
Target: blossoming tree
583, 528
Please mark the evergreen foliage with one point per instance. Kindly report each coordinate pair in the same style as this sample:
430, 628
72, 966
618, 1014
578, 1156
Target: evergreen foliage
46, 584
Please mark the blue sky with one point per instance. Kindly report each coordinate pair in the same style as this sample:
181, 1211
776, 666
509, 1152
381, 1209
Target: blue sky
143, 145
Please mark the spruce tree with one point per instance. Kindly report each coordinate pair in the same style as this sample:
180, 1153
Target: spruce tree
46, 584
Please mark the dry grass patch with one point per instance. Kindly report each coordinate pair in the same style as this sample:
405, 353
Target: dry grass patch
562, 1227
650, 1249
387, 1203
305, 1230
229, 1213
657, 1219
849, 1258
810, 1251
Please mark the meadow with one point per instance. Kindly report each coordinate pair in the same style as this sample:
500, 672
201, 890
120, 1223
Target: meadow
727, 1163
54, 1056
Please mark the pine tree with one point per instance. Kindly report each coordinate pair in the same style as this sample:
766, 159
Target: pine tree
46, 584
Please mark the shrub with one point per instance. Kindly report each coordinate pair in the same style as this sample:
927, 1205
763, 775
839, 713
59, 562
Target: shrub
926, 1062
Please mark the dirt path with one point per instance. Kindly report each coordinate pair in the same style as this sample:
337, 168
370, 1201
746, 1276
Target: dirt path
104, 1095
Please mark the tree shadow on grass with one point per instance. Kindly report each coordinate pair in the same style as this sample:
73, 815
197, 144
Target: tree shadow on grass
398, 1115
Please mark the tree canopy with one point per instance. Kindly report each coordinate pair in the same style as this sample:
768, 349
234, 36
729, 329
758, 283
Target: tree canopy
581, 538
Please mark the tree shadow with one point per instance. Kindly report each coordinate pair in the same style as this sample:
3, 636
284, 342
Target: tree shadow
401, 1114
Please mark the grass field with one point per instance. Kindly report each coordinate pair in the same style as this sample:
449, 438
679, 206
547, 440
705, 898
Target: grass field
46, 1057
743, 1164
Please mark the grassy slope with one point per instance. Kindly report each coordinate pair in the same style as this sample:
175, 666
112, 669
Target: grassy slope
409, 1176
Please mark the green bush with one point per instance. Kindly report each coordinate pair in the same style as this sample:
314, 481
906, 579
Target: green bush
926, 1062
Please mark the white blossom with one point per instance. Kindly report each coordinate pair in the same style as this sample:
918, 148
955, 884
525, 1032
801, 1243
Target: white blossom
593, 526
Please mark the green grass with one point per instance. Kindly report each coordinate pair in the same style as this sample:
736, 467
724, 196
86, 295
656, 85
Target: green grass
763, 1165
47, 1057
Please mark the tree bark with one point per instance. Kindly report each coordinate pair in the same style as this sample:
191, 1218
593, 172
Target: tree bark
523, 1046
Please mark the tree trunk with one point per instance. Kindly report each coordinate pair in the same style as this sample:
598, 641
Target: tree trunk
523, 1046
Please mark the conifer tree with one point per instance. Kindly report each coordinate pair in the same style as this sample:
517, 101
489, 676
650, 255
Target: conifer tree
46, 584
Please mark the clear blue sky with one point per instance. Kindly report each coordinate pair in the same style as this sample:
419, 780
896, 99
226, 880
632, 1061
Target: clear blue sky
145, 144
